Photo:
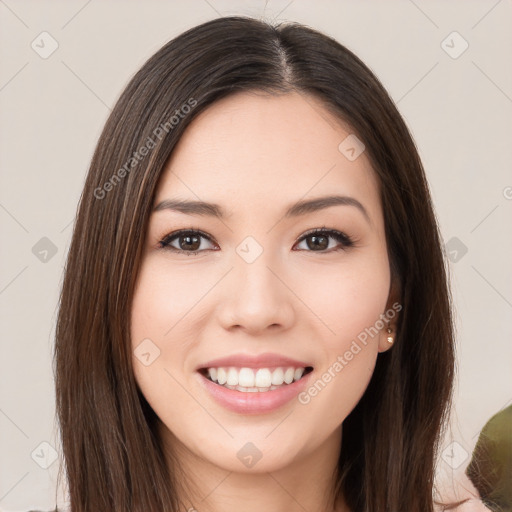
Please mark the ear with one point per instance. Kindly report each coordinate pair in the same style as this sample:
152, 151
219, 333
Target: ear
390, 317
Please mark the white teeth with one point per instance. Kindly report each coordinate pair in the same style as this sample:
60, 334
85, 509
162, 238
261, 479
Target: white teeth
278, 377
221, 376
232, 377
247, 390
263, 378
298, 373
288, 375
257, 380
246, 378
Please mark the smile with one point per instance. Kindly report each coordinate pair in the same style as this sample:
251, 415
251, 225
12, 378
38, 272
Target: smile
254, 380
266, 390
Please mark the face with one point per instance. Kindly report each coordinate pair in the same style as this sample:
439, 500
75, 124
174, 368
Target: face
253, 334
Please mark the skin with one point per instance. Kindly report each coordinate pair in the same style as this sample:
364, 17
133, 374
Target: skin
459, 487
255, 154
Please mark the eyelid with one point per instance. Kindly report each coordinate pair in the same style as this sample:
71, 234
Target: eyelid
164, 243
345, 240
327, 231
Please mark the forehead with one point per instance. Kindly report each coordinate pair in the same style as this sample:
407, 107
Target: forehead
255, 150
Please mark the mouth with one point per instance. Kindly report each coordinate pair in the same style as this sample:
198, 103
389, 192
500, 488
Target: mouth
255, 380
254, 384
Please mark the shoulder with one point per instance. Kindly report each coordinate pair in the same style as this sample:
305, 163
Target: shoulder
469, 505
472, 505
462, 490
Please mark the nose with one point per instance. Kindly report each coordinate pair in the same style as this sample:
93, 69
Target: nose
256, 297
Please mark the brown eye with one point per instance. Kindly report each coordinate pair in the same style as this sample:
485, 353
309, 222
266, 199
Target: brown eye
318, 240
188, 241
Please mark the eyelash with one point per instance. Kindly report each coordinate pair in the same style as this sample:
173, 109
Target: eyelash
345, 240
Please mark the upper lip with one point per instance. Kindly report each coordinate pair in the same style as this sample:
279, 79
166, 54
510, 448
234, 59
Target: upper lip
266, 360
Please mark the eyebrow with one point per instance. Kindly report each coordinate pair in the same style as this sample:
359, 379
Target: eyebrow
297, 209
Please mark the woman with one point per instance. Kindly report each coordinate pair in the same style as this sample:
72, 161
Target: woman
255, 297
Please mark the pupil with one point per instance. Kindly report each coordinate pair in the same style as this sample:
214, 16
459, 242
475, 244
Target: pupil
188, 243
316, 244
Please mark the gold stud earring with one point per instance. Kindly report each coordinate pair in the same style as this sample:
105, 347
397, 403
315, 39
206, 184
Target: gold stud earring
390, 338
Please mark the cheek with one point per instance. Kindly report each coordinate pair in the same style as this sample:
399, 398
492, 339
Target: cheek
162, 331
159, 304
349, 298
162, 300
350, 305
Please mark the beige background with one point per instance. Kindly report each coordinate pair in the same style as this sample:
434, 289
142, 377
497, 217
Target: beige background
458, 109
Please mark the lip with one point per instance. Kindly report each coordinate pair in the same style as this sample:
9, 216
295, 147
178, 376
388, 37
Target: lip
267, 360
259, 402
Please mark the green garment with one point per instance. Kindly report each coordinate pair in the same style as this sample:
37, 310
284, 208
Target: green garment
490, 468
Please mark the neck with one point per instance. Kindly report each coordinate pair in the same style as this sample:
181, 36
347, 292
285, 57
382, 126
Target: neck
305, 483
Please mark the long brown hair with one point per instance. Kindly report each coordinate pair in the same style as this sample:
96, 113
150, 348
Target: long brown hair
113, 455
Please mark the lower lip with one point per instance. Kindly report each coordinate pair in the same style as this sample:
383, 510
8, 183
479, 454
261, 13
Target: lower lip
257, 402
